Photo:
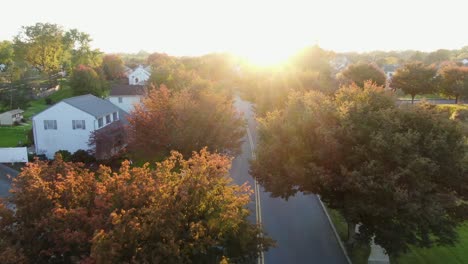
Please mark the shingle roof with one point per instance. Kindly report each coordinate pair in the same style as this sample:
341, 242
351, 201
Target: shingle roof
92, 105
13, 112
126, 89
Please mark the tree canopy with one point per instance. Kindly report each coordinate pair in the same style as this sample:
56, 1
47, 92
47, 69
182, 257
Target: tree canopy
85, 80
359, 73
183, 211
398, 172
186, 121
113, 66
454, 81
414, 78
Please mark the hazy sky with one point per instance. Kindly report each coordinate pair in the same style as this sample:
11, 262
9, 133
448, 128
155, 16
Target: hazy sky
251, 28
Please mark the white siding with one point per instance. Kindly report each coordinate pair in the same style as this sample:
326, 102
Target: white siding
65, 137
138, 76
127, 103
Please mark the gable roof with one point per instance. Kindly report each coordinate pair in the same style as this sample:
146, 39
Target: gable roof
92, 105
13, 112
127, 89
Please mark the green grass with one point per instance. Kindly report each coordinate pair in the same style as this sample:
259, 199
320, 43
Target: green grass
458, 254
359, 253
11, 135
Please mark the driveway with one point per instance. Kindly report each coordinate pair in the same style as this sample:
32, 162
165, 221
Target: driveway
5, 182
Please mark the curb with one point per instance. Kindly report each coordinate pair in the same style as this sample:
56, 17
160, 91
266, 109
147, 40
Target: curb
334, 230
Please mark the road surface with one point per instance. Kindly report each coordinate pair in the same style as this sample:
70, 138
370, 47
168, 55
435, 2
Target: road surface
5, 181
299, 225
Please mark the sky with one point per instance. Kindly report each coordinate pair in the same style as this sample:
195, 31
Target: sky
255, 28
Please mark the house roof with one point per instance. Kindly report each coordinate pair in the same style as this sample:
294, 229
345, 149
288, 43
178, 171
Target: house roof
13, 112
92, 105
126, 89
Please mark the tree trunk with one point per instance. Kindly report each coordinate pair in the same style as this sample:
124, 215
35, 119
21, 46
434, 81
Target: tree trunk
456, 99
412, 98
351, 233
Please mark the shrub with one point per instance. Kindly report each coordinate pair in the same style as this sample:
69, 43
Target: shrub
82, 156
66, 155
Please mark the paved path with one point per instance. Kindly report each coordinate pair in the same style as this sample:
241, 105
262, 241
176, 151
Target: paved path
5, 182
299, 225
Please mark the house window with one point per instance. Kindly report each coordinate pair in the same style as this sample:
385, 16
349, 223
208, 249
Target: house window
108, 119
120, 99
100, 122
78, 124
50, 124
115, 117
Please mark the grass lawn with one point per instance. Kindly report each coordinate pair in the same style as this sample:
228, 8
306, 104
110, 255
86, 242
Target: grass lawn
458, 254
11, 135
359, 254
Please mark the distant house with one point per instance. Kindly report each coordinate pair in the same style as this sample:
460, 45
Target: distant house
2, 67
139, 76
465, 62
339, 63
125, 96
10, 117
68, 124
389, 70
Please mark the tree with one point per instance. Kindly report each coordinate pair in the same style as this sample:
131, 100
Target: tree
113, 66
398, 172
42, 47
359, 73
78, 49
185, 121
184, 211
454, 81
438, 56
7, 54
85, 80
414, 78
108, 141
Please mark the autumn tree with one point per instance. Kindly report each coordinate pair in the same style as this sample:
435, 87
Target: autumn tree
414, 78
108, 141
359, 73
183, 211
113, 66
185, 121
454, 81
377, 164
85, 80
41, 45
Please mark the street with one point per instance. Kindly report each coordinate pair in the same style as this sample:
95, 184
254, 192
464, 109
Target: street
299, 225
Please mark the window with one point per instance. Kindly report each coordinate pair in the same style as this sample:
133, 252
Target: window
108, 119
78, 124
100, 122
50, 124
120, 99
115, 117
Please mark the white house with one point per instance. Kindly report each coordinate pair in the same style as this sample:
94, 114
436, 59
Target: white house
390, 70
68, 124
465, 62
139, 76
10, 117
126, 96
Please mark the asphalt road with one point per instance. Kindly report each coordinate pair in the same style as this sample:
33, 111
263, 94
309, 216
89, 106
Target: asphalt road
5, 182
299, 225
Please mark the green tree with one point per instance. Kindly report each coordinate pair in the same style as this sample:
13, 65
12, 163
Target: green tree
41, 45
398, 172
438, 56
113, 66
359, 73
414, 78
78, 50
7, 53
183, 211
85, 80
454, 81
